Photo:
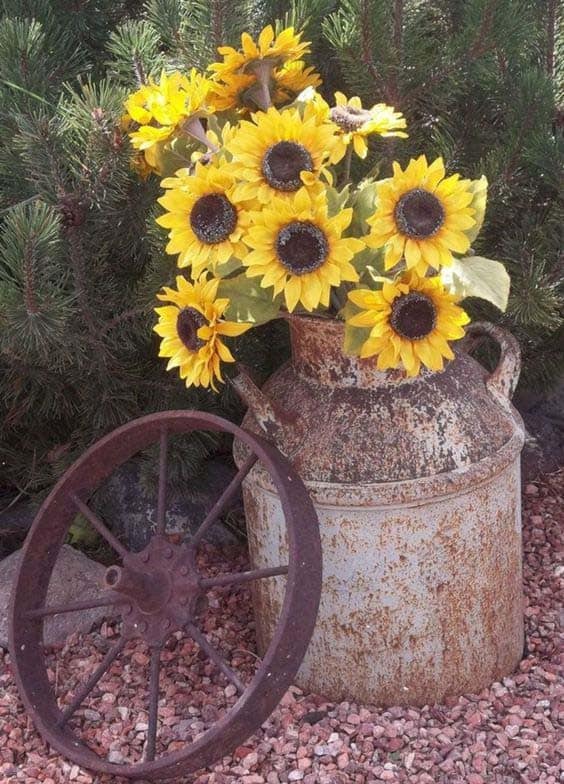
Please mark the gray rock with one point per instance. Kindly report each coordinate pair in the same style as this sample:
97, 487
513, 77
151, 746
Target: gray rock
543, 413
128, 506
15, 522
74, 578
543, 452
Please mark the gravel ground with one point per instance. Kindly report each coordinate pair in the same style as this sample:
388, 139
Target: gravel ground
511, 732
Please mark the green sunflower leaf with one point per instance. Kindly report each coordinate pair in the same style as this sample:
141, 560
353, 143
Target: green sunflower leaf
173, 155
369, 264
335, 200
248, 301
355, 337
225, 269
364, 205
479, 189
476, 276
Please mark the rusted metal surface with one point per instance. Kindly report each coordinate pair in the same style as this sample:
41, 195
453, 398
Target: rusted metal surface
159, 591
416, 486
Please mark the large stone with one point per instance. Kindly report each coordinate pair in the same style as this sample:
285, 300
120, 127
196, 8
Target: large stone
15, 522
544, 447
129, 507
74, 578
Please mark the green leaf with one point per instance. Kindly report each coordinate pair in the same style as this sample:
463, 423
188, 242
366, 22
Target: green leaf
355, 337
248, 301
335, 200
364, 205
229, 266
369, 263
480, 190
170, 156
476, 276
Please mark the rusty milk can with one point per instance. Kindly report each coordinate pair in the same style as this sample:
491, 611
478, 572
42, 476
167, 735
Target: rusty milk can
416, 483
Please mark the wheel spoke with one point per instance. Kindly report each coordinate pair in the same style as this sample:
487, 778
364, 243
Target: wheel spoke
87, 604
102, 529
215, 657
161, 503
82, 693
155, 667
242, 577
227, 495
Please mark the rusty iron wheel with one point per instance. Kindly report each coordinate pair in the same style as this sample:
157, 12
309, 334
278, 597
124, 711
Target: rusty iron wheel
158, 591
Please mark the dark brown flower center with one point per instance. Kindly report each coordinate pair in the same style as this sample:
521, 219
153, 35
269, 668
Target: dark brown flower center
414, 315
419, 214
213, 218
283, 163
348, 118
188, 322
302, 247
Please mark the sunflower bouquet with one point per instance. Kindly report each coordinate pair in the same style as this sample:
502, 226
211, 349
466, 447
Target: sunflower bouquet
265, 220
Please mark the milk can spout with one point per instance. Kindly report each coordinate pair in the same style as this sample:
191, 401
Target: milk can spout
271, 418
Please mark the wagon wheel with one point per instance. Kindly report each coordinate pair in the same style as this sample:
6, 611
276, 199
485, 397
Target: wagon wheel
157, 592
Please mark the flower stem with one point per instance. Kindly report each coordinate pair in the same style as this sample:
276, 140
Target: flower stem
347, 170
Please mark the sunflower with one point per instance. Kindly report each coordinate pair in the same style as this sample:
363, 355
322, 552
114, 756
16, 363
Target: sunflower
192, 328
159, 109
278, 50
299, 250
276, 153
356, 123
243, 91
411, 321
205, 218
422, 216
295, 77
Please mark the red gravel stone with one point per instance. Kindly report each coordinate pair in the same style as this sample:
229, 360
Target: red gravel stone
510, 732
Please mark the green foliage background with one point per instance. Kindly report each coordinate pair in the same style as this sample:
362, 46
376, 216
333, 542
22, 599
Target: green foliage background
479, 82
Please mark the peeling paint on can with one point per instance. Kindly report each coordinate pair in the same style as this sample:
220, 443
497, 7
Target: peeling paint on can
416, 483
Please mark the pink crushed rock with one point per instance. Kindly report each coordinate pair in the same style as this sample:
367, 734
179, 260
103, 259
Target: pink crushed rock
511, 732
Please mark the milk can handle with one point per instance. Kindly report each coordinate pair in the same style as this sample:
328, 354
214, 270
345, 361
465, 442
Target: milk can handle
503, 380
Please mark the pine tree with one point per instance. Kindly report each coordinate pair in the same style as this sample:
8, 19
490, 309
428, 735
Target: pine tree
79, 262
81, 257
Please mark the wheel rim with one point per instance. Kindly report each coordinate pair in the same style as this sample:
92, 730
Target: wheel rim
160, 588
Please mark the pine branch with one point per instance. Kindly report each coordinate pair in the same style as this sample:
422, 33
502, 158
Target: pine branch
217, 21
138, 69
393, 93
29, 289
77, 256
366, 42
127, 315
480, 45
518, 144
478, 49
550, 37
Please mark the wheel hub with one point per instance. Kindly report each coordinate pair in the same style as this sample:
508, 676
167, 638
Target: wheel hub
161, 587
